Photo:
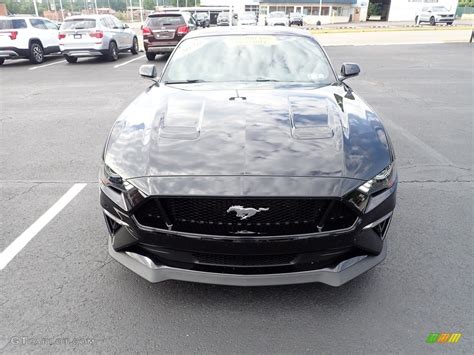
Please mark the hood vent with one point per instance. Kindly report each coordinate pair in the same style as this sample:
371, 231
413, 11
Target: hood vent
311, 117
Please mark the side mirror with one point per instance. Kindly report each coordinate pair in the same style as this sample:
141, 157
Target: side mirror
349, 70
147, 71
125, 26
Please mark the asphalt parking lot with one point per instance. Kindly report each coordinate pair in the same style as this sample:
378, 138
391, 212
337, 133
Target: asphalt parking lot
63, 292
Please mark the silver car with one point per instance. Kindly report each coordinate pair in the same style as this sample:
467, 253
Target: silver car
95, 35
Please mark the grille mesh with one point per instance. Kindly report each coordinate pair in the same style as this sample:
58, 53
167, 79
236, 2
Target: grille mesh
203, 215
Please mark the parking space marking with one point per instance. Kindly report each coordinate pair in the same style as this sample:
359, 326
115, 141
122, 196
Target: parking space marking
20, 242
129, 61
47, 65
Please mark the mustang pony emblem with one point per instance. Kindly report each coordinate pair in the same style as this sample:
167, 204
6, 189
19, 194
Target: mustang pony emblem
245, 213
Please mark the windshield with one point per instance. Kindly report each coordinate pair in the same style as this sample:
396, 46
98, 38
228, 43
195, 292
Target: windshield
200, 15
439, 9
277, 14
249, 58
78, 24
164, 20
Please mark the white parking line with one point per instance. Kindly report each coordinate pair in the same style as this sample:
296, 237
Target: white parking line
47, 65
20, 242
127, 62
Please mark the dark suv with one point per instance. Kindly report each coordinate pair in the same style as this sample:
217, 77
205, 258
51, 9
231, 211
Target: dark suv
163, 31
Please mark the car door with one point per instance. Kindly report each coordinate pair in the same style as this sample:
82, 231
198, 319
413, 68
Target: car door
424, 14
41, 32
53, 32
125, 37
117, 29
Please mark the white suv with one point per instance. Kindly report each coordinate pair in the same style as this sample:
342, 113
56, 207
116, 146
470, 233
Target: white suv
434, 15
95, 35
27, 37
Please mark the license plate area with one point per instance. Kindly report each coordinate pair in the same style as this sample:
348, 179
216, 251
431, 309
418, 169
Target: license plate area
77, 36
164, 34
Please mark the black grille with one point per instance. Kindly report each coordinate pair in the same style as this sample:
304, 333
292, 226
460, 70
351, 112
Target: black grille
277, 216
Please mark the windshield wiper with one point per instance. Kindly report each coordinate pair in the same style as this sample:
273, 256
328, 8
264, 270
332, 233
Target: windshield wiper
190, 81
262, 80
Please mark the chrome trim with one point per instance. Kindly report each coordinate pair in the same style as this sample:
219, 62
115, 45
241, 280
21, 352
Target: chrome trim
272, 237
387, 228
8, 54
82, 52
337, 276
380, 220
115, 218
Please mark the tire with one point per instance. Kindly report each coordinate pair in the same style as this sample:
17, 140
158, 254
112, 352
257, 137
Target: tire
432, 21
2, 60
36, 55
150, 56
416, 20
112, 53
449, 23
70, 59
134, 48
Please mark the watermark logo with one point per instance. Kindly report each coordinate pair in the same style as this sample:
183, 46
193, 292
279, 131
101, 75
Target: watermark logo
442, 338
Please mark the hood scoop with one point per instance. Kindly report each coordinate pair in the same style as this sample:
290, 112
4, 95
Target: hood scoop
311, 117
182, 119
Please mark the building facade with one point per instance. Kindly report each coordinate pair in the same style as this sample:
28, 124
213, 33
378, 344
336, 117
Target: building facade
314, 11
238, 6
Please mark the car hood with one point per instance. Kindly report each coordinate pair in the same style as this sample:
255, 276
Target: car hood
260, 130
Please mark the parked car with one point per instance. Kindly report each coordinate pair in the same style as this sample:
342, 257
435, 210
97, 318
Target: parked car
162, 31
296, 19
27, 37
434, 15
264, 171
95, 35
247, 19
202, 19
277, 18
223, 19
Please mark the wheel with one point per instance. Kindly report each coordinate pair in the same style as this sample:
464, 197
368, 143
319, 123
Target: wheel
150, 56
416, 20
134, 48
449, 23
432, 21
70, 59
2, 60
112, 53
36, 53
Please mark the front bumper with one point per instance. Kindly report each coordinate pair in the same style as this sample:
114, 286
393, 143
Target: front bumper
332, 258
444, 20
335, 276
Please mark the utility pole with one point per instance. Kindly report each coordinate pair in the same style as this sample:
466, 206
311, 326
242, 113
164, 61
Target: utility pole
62, 10
140, 3
95, 4
36, 7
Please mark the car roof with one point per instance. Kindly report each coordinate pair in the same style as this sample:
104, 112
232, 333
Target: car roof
24, 17
95, 17
244, 30
172, 13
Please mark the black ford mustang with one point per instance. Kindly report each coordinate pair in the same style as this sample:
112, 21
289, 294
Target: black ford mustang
248, 162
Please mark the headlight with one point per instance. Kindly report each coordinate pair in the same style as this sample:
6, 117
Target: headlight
382, 181
110, 178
